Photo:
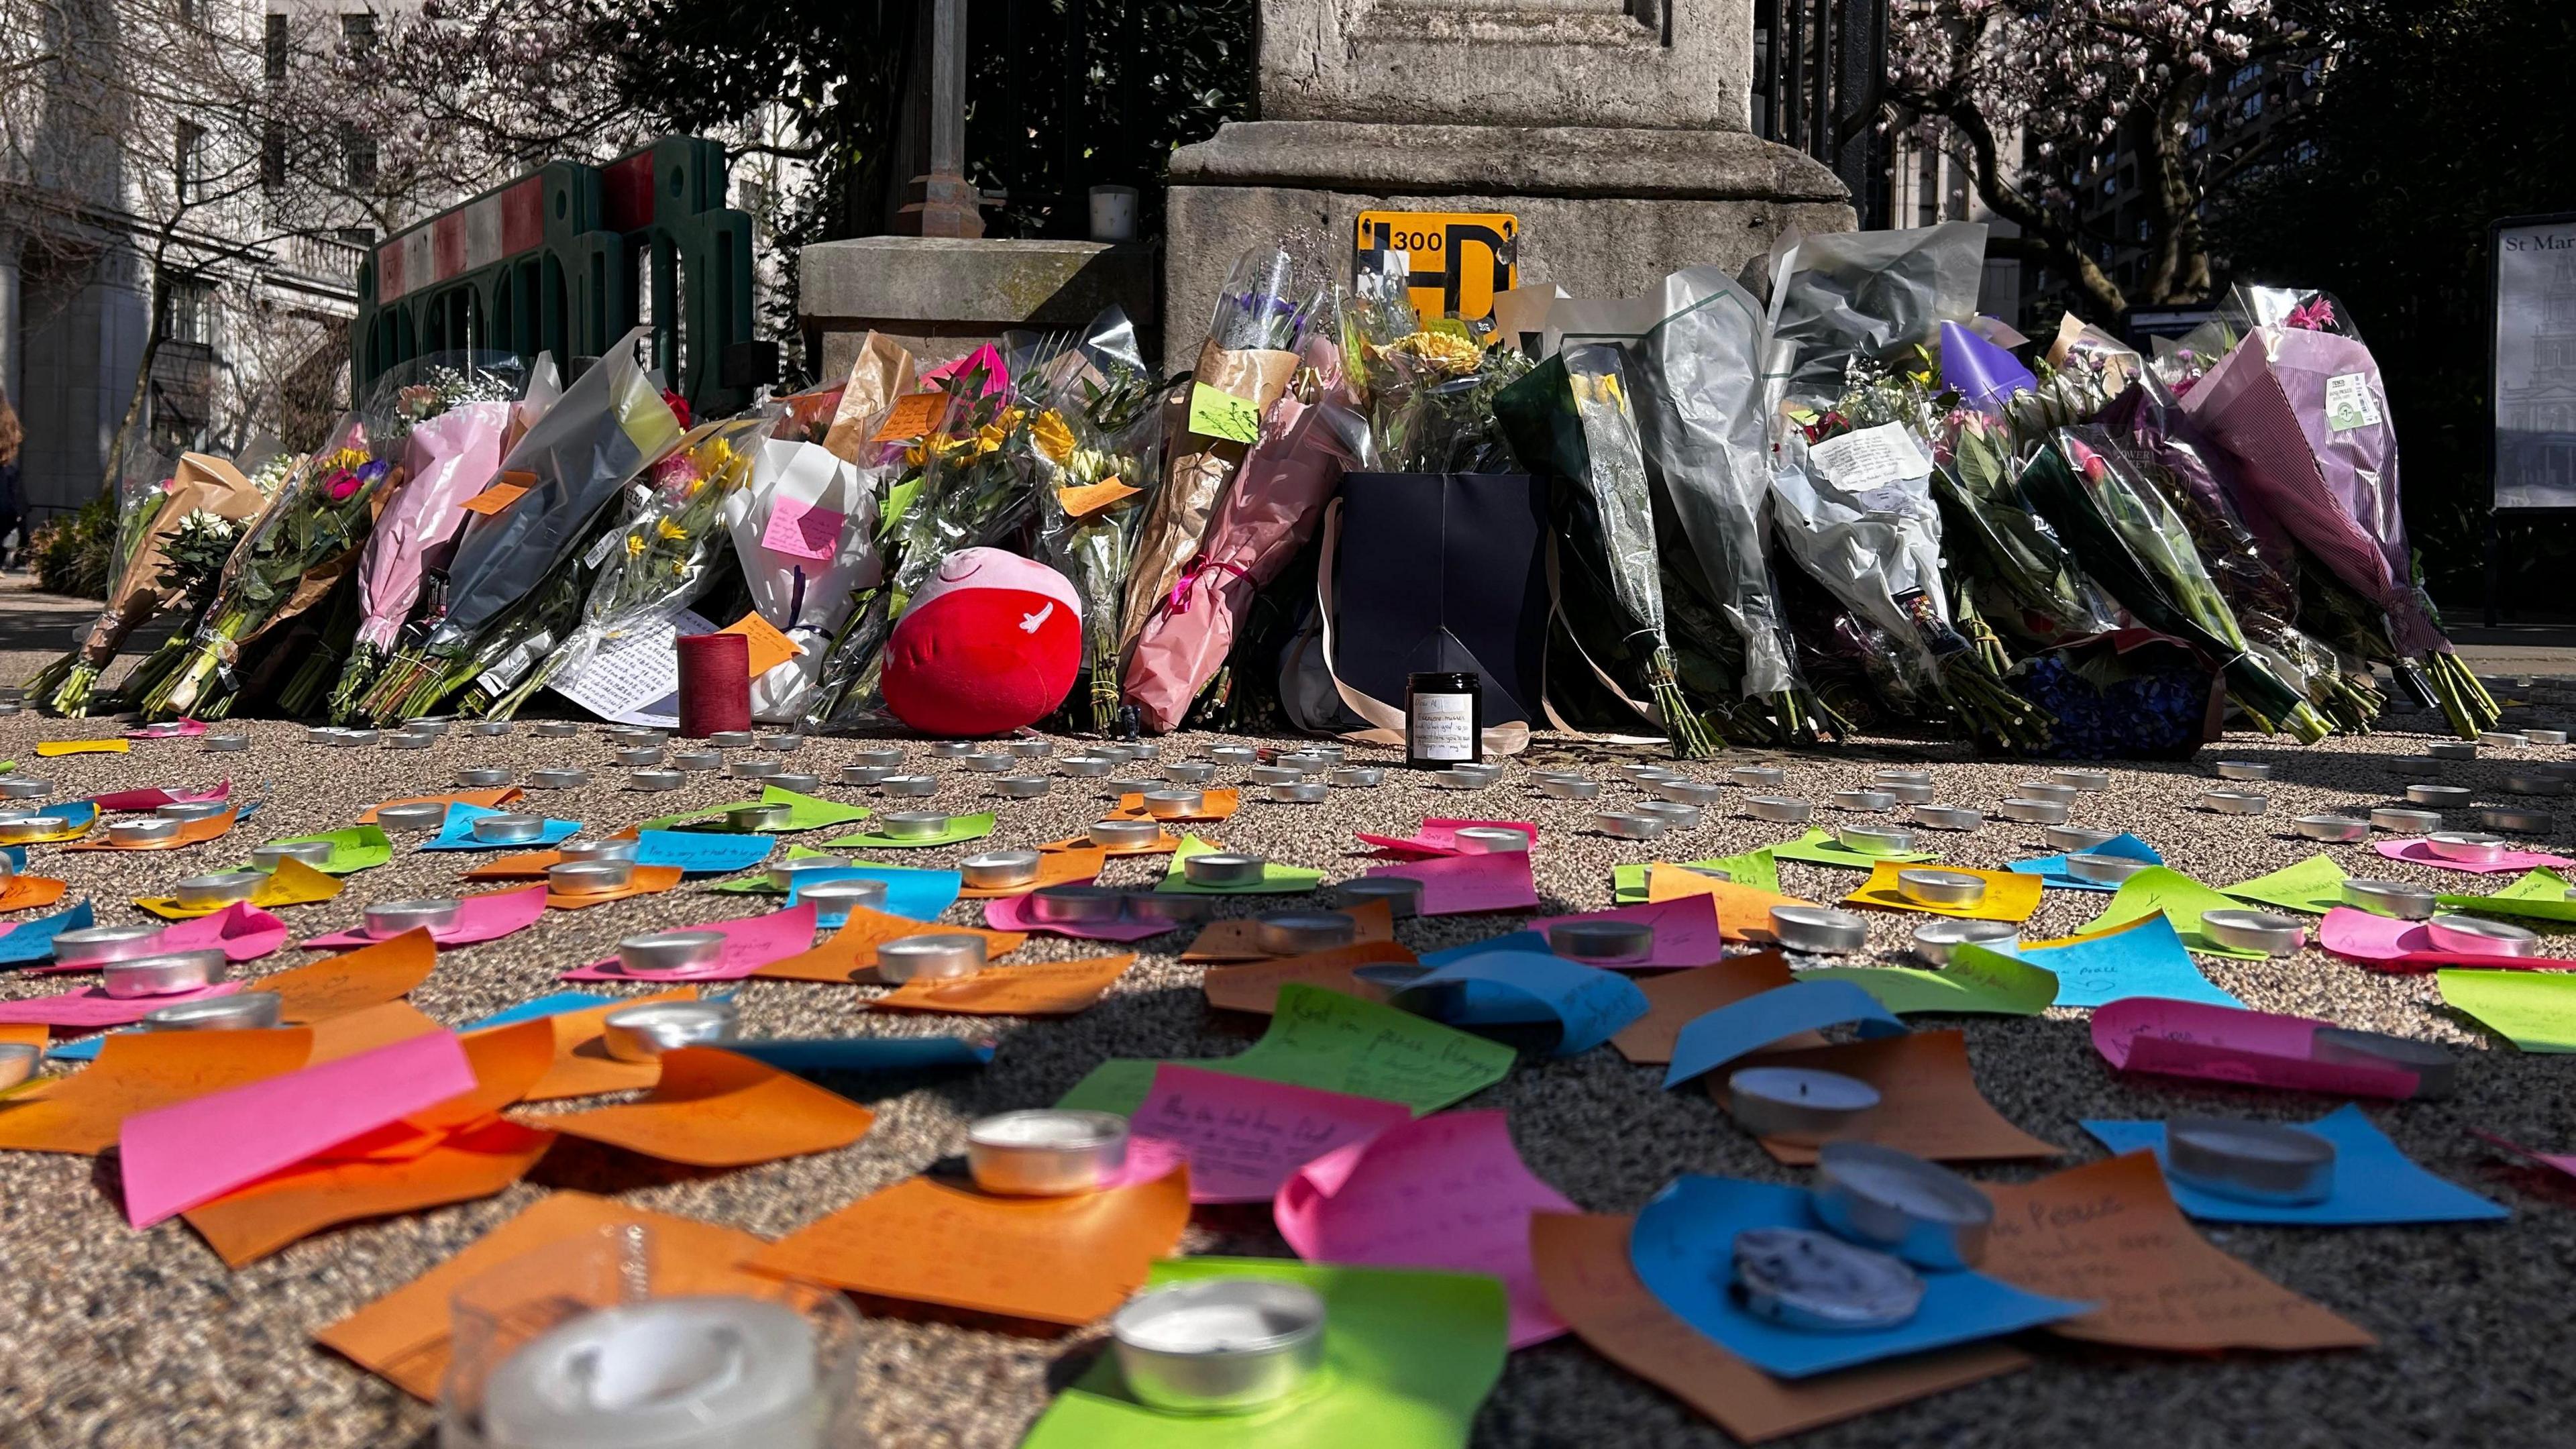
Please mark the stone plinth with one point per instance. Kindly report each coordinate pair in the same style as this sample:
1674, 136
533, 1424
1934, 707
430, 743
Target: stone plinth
944, 297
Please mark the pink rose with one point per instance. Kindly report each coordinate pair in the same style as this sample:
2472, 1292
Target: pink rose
339, 486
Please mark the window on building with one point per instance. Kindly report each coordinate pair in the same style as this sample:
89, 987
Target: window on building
275, 48
2245, 76
358, 32
188, 312
188, 165
358, 154
2253, 106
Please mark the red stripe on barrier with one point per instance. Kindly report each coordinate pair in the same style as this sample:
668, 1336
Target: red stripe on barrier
447, 245
626, 192
523, 216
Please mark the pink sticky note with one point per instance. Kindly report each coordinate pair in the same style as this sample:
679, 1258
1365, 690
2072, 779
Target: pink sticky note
2394, 945
1457, 885
90, 1006
1148, 1160
803, 530
2167, 1038
2420, 853
177, 729
1439, 836
1011, 913
1686, 931
1244, 1137
486, 917
750, 943
2564, 1162
195, 1151
1443, 1191
155, 799
242, 930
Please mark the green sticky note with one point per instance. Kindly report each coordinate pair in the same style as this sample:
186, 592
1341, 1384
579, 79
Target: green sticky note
1216, 413
2541, 895
2158, 890
1757, 868
2312, 887
757, 883
360, 847
960, 827
2535, 1009
1276, 879
1117, 1085
1978, 981
898, 500
804, 812
1819, 847
1409, 1354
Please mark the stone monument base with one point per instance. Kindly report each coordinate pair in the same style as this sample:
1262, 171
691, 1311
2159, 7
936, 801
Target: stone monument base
1603, 212
943, 297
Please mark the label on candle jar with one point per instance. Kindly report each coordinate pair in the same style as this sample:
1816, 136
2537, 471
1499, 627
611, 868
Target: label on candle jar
1442, 727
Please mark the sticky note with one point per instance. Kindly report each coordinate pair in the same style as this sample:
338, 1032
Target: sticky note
2418, 852
1977, 982
2144, 958
154, 799
2312, 887
1091, 498
1458, 885
552, 1004
2252, 1048
801, 529
1215, 413
1055, 867
137, 1072
252, 1222
1217, 803
2539, 895
34, 940
702, 852
1687, 932
768, 648
713, 1108
1589, 1004
242, 931
582, 1066
1243, 1137
1254, 986
804, 812
495, 500
1040, 988
2054, 873
1237, 938
52, 749
457, 832
1756, 868
1012, 913
485, 917
1755, 1022
1678, 998
750, 942
2180, 899
2010, 896
2388, 944
1820, 847
919, 895
841, 1055
1276, 879
360, 847
850, 954
1929, 1103
1743, 911
373, 974
2374, 1182
2535, 1010
912, 415
1438, 835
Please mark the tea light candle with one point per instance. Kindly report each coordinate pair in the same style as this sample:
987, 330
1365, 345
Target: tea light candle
482, 777
18, 1059
884, 756
387, 919
97, 945
2234, 802
1800, 1105
1046, 1152
554, 729
2264, 931
1644, 774
2437, 1072
642, 1033
698, 1371
2467, 846
1075, 902
2546, 737
490, 728
2534, 782
1908, 776
656, 780
696, 762
1174, 804
912, 825
1299, 792
1303, 762
2088, 781
579, 848
753, 769
1818, 1283
147, 831
844, 895
1086, 767
1570, 789
1779, 809
1354, 777
986, 763
2503, 740
410, 739
1293, 933
1125, 835
1188, 772
1021, 787
1688, 792
2103, 869
2045, 790
2451, 750
637, 757
220, 889
2078, 839
1675, 815
933, 956
1758, 777
999, 869
912, 787
1223, 868
241, 1011
747, 819
1219, 1345
2414, 767
423, 815
2332, 829
1625, 825
1141, 785
1948, 817
589, 877
783, 741
1935, 940
2033, 812
508, 829
1821, 930
2399, 820
1602, 942
1867, 802
27, 829
1272, 775
1233, 754
1875, 839
164, 975
951, 749
1332, 754
1895, 1201
2261, 1162
1492, 840
783, 875
353, 739
796, 780
1402, 893
1953, 888
1905, 792
1486, 774
2518, 822
1456, 779
224, 744
2402, 899
2440, 797
2473, 934
1032, 747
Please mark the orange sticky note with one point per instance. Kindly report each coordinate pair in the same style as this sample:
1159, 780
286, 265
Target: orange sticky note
2011, 895
1928, 1105
647, 880
1582, 1264
26, 892
527, 865
1162, 844
368, 976
767, 648
25, 1033
1055, 1259
50, 749
499, 496
488, 799
137, 1072
1675, 999
507, 1062
1255, 987
715, 1109
1233, 939
257, 1220
366, 1029
912, 415
2110, 1230
1055, 867
190, 832
849, 955
1090, 498
1743, 911
582, 1066
1041, 988
1213, 805
403, 1336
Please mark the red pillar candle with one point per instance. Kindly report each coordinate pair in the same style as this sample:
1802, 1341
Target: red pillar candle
715, 684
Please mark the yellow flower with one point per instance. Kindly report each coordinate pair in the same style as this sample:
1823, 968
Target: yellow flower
1053, 438
634, 545
672, 531
1442, 352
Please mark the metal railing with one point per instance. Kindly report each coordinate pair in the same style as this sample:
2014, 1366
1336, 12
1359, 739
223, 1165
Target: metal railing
1819, 82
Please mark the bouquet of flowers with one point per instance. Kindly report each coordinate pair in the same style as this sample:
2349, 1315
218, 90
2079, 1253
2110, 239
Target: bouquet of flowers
1869, 295
1096, 452
305, 539
2002, 553
804, 529
525, 548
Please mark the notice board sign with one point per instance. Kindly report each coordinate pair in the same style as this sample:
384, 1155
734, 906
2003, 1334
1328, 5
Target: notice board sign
2533, 365
1458, 259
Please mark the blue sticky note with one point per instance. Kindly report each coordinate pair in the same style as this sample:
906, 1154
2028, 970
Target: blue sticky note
85, 1049
1683, 1248
554, 1005
1591, 1004
1714, 1038
34, 940
699, 853
1516, 941
457, 832
919, 895
865, 1053
79, 814
2374, 1182
17, 857
2146, 959
2052, 868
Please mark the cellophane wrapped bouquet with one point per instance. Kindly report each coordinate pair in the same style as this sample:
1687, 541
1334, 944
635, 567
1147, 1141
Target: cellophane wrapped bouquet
1096, 450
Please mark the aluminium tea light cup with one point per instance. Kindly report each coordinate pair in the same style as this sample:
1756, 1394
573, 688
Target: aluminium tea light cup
1895, 776
951, 749
579, 848
1488, 774
656, 779
410, 739
751, 769
2033, 812
671, 950
1384, 981
1304, 762
1075, 903
1949, 888
1294, 933
1125, 834
2102, 869
2332, 829
753, 818
1677, 816
696, 762
166, 974
554, 729
1779, 809
2503, 740
2477, 936
2258, 1162
987, 763
1458, 779
2437, 1072
2403, 900
913, 824
1086, 767
1224, 868
2087, 781
2451, 750
589, 877
1118, 788
98, 945
1022, 787
354, 739
1815, 1282
864, 775
1189, 772
225, 744
1046, 1152
1875, 839
637, 757
1799, 1105
1175, 804
783, 875
267, 858
1602, 943
2243, 770
2078, 839
889, 756
1402, 893
1866, 802
2415, 767
687, 1371
841, 896
1273, 775
931, 956
1947, 817
2440, 797
1757, 777
27, 829
2541, 781
1818, 930
1031, 747
2546, 737
1625, 825
1898, 1203
1219, 1345
2269, 932
2234, 802
220, 889
1355, 777
1935, 940
908, 787
1905, 792
2469, 847
146, 831
24, 787
1299, 792
490, 728
1233, 754
999, 869
1492, 840
388, 919
1570, 789
508, 829
241, 1011
482, 777
2403, 820
416, 817
729, 740
2517, 821
781, 741
642, 1033
2045, 790
1645, 774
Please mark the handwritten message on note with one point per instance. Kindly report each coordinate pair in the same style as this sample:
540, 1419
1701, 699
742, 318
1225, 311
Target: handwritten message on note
1243, 1137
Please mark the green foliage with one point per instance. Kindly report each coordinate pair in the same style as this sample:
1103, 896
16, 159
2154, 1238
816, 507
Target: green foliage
74, 552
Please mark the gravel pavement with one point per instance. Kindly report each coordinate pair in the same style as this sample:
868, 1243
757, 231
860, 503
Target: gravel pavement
109, 1337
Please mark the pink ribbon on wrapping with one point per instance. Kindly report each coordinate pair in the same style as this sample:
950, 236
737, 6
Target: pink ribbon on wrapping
1180, 600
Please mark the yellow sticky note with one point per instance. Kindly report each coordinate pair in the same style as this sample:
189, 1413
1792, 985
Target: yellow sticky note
769, 648
2010, 895
50, 748
1216, 413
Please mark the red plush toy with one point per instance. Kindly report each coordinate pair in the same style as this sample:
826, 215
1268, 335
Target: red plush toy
988, 646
